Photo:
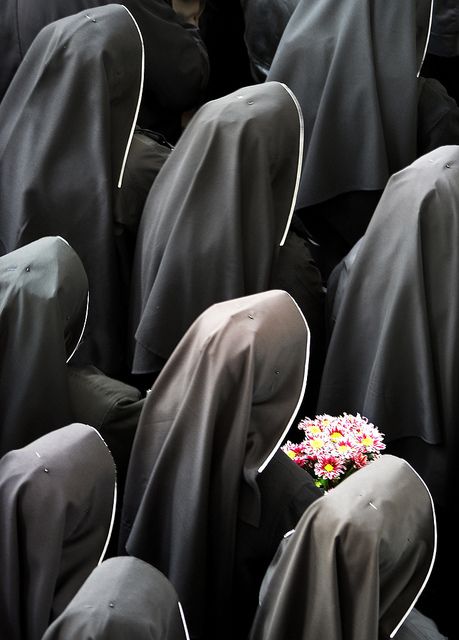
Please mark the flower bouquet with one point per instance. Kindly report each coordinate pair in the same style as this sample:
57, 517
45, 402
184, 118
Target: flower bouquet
335, 446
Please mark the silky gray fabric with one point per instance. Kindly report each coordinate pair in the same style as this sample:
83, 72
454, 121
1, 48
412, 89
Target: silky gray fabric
214, 417
356, 562
44, 296
353, 66
215, 216
57, 499
392, 353
65, 127
122, 599
176, 60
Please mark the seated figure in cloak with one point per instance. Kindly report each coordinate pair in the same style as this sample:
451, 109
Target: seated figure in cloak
83, 172
216, 225
176, 59
209, 493
57, 501
355, 68
44, 294
123, 598
356, 562
392, 354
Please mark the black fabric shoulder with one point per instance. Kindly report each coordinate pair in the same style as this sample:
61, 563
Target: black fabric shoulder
438, 117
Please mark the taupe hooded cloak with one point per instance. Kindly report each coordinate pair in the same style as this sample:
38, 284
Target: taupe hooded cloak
356, 562
212, 422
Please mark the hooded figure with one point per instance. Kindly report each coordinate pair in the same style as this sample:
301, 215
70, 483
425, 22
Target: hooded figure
44, 302
66, 125
357, 561
211, 424
122, 598
393, 352
215, 216
57, 501
354, 67
176, 61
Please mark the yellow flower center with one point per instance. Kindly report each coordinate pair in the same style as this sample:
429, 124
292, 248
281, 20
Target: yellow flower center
336, 435
329, 467
317, 443
291, 454
367, 441
343, 447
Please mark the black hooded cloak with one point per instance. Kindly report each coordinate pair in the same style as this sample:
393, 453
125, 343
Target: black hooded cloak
60, 174
213, 421
215, 216
176, 61
123, 598
354, 67
393, 349
57, 502
44, 302
392, 352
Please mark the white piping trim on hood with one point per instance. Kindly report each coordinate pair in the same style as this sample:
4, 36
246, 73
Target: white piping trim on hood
301, 394
182, 615
85, 315
434, 553
427, 39
300, 161
139, 99
115, 497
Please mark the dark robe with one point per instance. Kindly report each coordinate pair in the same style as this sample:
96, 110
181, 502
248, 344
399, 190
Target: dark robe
392, 354
57, 500
60, 175
356, 562
176, 61
354, 67
212, 422
122, 599
44, 294
286, 490
215, 216
264, 24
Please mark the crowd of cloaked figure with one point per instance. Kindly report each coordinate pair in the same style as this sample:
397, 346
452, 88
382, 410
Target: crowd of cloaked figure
215, 219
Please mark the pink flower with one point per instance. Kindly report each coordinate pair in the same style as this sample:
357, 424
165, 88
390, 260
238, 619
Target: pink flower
329, 467
335, 446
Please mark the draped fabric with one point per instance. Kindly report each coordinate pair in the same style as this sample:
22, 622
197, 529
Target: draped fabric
176, 60
354, 68
57, 500
357, 561
392, 352
215, 215
66, 125
44, 298
122, 598
211, 423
